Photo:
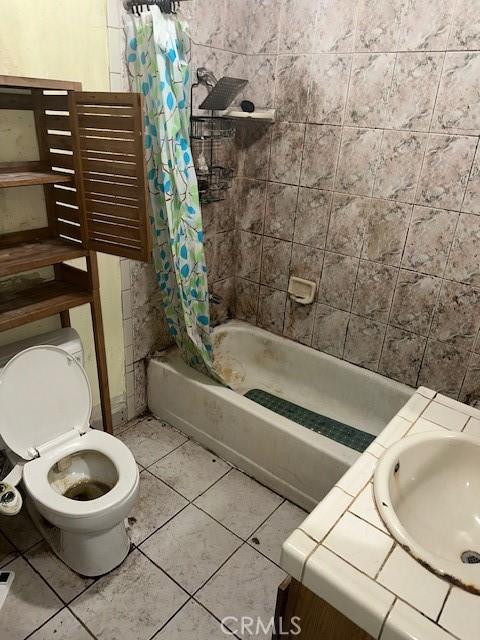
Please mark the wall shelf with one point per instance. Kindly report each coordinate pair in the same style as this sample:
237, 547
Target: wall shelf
24, 256
41, 301
28, 178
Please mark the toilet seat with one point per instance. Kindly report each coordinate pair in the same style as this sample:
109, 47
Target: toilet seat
45, 408
35, 475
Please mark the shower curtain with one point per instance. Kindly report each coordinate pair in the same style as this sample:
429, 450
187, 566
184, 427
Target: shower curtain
157, 58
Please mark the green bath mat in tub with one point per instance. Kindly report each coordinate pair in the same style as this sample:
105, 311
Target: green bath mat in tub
342, 433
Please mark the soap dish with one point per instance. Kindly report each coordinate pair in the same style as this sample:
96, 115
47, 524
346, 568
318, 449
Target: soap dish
301, 291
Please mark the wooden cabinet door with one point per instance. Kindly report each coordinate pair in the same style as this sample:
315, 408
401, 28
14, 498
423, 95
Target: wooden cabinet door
109, 162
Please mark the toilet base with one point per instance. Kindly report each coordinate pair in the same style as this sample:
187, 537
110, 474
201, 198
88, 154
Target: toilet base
89, 554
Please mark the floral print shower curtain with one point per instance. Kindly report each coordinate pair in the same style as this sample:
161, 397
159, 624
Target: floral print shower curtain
157, 59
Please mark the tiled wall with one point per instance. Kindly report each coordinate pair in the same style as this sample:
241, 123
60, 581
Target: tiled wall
369, 183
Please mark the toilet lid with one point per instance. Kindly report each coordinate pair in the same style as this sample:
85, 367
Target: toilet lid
44, 393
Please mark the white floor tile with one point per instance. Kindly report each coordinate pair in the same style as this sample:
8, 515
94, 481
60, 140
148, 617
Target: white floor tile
64, 626
408, 579
66, 583
191, 547
193, 622
156, 504
30, 602
268, 539
359, 543
240, 503
245, 586
7, 551
149, 440
134, 601
20, 530
190, 470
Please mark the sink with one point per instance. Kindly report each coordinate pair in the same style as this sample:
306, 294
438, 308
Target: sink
427, 491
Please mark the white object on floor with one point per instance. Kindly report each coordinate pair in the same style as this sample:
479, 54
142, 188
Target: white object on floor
80, 483
301, 291
6, 580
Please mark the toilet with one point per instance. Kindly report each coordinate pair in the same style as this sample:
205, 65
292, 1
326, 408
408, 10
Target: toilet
79, 483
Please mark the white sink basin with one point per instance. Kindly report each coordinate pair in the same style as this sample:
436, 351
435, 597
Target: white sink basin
427, 490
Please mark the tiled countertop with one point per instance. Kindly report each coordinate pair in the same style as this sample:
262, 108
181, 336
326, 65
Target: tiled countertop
344, 554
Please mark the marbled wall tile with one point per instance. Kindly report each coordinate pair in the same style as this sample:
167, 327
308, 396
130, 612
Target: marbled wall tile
335, 27
464, 260
313, 213
320, 155
364, 341
465, 32
443, 368
358, 160
422, 29
414, 301
299, 320
330, 330
457, 318
471, 203
209, 27
260, 71
249, 253
374, 290
280, 210
276, 256
225, 290
377, 25
246, 300
271, 309
329, 86
209, 220
292, 87
414, 88
286, 156
225, 255
470, 391
445, 172
236, 26
386, 231
140, 386
255, 150
306, 263
348, 219
429, 240
399, 165
224, 212
370, 83
297, 26
457, 109
402, 356
338, 280
263, 26
210, 247
250, 205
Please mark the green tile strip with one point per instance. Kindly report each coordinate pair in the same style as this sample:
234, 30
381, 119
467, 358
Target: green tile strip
342, 433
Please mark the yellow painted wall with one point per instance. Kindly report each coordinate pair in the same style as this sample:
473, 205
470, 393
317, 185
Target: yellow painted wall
65, 40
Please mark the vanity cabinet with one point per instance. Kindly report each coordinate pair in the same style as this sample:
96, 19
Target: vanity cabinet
298, 608
91, 166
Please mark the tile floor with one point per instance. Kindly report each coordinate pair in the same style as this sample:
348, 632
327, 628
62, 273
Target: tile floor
206, 543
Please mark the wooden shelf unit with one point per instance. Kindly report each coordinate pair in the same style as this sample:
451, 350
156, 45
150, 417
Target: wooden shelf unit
92, 168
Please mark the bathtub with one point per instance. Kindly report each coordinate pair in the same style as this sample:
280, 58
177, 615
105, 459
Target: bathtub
298, 463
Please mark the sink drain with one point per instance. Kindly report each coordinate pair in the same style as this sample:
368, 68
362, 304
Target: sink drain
470, 557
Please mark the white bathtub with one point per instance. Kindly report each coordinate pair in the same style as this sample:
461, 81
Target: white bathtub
298, 463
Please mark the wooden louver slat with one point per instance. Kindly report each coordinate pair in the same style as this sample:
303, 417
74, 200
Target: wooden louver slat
110, 165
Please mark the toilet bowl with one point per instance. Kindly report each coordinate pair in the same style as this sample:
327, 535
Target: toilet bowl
80, 483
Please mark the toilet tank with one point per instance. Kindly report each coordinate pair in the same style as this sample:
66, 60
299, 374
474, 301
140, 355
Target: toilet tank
67, 339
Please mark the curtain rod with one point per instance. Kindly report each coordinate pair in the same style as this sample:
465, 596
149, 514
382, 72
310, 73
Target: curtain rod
166, 6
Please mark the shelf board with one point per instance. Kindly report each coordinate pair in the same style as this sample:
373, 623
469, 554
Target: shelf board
44, 300
34, 255
28, 178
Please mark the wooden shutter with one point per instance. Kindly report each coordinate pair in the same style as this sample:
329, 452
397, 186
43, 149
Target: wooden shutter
107, 130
